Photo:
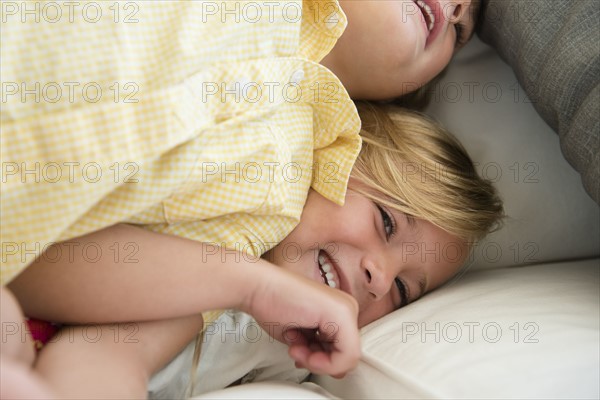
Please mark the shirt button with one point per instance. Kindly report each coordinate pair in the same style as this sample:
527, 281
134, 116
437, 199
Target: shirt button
297, 76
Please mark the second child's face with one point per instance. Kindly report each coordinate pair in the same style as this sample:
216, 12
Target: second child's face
377, 255
391, 47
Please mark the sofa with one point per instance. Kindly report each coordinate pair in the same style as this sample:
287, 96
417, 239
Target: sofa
523, 319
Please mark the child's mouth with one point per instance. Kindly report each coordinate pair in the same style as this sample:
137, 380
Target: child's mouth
328, 272
428, 14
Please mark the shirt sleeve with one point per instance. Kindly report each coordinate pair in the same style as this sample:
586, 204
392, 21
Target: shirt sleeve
93, 97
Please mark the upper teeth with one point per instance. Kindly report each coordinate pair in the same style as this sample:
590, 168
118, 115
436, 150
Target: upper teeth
429, 12
326, 268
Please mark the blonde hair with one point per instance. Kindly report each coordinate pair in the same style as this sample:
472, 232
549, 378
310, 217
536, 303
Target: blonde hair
412, 164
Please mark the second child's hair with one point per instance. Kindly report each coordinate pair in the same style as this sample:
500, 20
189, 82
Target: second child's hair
412, 164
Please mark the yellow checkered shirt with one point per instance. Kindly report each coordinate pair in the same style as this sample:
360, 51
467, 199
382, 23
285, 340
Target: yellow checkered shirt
207, 120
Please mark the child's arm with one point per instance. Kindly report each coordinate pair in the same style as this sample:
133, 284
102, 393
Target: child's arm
112, 361
176, 277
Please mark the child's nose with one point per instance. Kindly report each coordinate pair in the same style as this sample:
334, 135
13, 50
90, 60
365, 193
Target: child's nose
378, 278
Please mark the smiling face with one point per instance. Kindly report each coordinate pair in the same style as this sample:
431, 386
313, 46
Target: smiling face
392, 47
381, 257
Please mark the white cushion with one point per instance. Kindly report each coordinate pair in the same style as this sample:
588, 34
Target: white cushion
527, 332
270, 390
550, 216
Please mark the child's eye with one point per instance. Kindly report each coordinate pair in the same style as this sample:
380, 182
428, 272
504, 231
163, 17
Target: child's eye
402, 288
389, 224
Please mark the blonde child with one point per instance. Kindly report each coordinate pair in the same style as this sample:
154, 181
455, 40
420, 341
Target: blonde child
413, 207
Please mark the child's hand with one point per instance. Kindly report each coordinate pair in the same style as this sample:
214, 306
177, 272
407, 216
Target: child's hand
319, 324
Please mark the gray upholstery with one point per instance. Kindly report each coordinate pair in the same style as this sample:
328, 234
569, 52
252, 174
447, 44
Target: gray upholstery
554, 48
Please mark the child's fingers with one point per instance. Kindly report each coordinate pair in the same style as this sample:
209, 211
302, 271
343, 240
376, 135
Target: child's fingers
324, 354
318, 363
343, 344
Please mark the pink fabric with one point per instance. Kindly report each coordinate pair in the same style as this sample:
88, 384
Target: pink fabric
41, 331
